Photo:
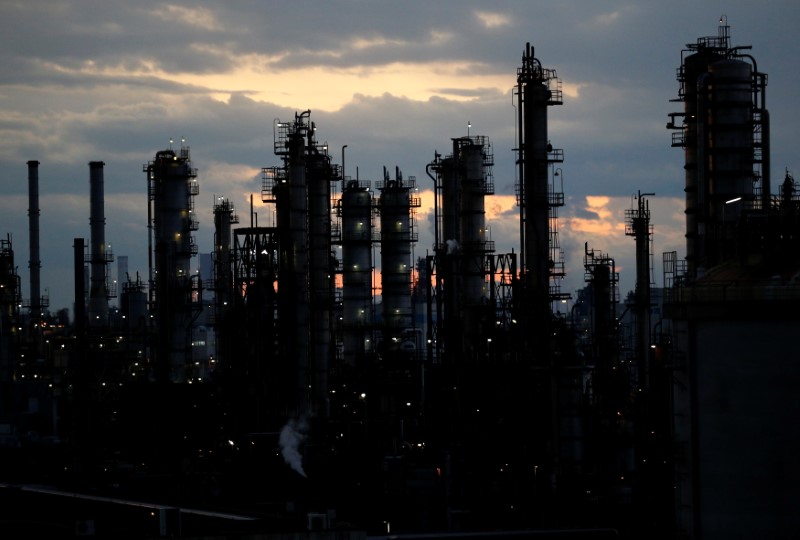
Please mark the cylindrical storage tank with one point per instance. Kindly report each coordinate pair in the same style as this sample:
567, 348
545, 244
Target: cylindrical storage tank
98, 293
356, 210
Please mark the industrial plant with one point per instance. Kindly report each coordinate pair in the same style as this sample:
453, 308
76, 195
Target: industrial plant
319, 374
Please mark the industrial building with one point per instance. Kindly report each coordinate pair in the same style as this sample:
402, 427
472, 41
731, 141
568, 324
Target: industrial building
732, 306
317, 376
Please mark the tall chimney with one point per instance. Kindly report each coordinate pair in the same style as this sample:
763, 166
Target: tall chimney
98, 294
35, 264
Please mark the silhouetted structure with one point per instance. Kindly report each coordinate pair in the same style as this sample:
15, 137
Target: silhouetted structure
439, 397
733, 309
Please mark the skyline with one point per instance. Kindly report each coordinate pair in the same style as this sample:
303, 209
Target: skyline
113, 83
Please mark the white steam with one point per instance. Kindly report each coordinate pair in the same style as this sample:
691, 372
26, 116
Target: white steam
292, 435
452, 246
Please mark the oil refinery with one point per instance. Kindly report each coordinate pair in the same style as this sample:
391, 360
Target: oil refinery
321, 374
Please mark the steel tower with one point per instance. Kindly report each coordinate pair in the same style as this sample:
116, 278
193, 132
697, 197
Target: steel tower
537, 89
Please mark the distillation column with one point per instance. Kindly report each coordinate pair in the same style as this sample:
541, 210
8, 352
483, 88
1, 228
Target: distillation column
355, 211
321, 274
447, 247
293, 278
465, 181
172, 186
535, 154
224, 218
724, 133
638, 225
475, 159
397, 233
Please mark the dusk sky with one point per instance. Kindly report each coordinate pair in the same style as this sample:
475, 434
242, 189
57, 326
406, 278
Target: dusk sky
113, 81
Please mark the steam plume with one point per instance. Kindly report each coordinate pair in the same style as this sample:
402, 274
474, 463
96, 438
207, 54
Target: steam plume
292, 435
452, 246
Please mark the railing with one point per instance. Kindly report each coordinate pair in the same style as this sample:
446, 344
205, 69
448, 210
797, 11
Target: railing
734, 291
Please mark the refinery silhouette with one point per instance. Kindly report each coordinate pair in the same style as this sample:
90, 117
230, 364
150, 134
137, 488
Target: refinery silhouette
294, 388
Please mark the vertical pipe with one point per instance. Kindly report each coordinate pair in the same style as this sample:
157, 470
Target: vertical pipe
80, 292
766, 181
641, 229
34, 263
344, 178
148, 169
79, 366
521, 167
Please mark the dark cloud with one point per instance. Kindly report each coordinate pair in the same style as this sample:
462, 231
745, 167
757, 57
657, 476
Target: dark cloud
80, 81
584, 213
467, 92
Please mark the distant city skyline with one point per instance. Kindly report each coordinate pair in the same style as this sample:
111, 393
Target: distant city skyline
115, 81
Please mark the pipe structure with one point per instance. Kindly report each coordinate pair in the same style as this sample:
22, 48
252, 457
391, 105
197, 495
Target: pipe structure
98, 256
35, 263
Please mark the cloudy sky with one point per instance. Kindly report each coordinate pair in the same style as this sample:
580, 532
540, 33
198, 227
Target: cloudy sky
114, 80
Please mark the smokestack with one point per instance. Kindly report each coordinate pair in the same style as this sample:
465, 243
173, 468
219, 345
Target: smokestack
35, 264
98, 295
